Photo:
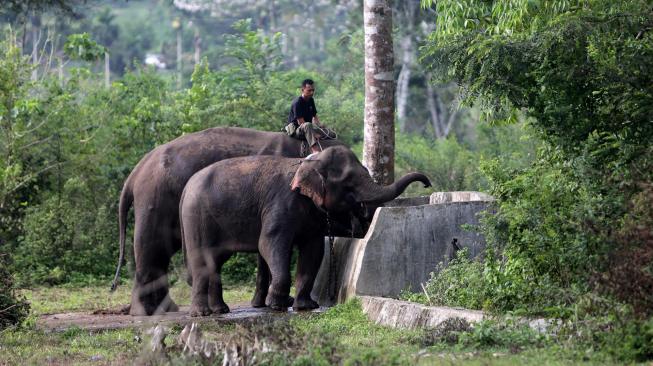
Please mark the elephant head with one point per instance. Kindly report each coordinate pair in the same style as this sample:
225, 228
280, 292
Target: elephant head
338, 183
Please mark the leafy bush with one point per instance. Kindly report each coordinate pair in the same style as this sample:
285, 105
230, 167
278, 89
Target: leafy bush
240, 268
536, 243
448, 164
13, 308
447, 332
629, 276
460, 283
576, 74
622, 339
64, 239
505, 333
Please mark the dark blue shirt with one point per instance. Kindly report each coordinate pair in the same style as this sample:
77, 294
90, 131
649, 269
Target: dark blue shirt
302, 108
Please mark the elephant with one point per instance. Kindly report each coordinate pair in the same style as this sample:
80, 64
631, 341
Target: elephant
270, 205
154, 188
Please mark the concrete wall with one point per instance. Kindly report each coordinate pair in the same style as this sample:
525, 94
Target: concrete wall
402, 247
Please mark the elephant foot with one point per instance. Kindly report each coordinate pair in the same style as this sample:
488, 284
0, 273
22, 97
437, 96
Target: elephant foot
220, 309
263, 303
258, 301
305, 304
288, 303
280, 304
199, 310
136, 308
172, 307
146, 301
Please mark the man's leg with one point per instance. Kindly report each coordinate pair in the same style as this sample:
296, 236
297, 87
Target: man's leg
312, 135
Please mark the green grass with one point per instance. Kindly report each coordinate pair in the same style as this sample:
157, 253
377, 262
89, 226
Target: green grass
70, 298
27, 346
341, 335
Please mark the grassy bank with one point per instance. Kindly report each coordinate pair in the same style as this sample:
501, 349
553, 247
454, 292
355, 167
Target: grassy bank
341, 335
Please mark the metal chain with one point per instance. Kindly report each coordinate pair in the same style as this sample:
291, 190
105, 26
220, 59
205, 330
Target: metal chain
332, 262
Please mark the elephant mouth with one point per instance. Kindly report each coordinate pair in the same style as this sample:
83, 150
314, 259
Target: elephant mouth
353, 223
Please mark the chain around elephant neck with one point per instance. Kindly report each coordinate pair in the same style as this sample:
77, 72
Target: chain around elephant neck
332, 261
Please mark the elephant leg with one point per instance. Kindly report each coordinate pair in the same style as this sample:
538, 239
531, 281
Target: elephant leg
276, 250
308, 264
216, 301
200, 294
262, 283
153, 247
203, 269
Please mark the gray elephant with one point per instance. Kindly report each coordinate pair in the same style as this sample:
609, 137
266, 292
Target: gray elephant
271, 204
154, 188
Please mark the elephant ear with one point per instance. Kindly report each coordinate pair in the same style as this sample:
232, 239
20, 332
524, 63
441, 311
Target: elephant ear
310, 183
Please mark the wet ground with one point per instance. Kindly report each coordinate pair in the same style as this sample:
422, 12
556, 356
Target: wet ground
111, 319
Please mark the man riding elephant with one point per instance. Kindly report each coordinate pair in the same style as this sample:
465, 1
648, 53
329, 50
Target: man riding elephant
154, 189
303, 122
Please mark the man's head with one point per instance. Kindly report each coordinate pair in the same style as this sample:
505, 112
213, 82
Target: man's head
308, 88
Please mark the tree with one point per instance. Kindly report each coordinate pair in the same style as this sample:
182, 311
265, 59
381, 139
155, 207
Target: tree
379, 136
423, 105
24, 7
576, 70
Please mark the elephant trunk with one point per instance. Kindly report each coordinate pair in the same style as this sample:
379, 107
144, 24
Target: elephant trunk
371, 192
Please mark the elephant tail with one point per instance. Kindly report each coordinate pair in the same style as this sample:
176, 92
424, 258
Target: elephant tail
189, 275
126, 200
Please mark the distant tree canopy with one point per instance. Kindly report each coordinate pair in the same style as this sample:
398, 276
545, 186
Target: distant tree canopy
27, 7
578, 67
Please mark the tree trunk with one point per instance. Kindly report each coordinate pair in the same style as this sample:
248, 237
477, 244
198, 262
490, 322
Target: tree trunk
434, 110
107, 70
60, 68
379, 134
36, 39
407, 14
404, 79
295, 43
441, 121
273, 16
179, 76
197, 42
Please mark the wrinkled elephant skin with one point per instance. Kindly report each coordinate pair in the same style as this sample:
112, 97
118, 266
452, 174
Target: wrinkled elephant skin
270, 205
154, 189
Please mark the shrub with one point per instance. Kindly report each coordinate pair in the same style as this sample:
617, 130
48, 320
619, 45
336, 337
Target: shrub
461, 283
64, 238
630, 271
13, 308
622, 339
504, 333
446, 332
239, 269
537, 248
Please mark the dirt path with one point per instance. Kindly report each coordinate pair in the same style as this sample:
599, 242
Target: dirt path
88, 320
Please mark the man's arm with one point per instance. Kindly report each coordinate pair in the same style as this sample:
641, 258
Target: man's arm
316, 121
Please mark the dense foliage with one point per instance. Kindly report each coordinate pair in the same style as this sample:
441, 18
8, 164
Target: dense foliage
572, 236
69, 143
13, 308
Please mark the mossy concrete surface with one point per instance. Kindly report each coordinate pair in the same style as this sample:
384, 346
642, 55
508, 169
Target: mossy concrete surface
404, 244
404, 314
